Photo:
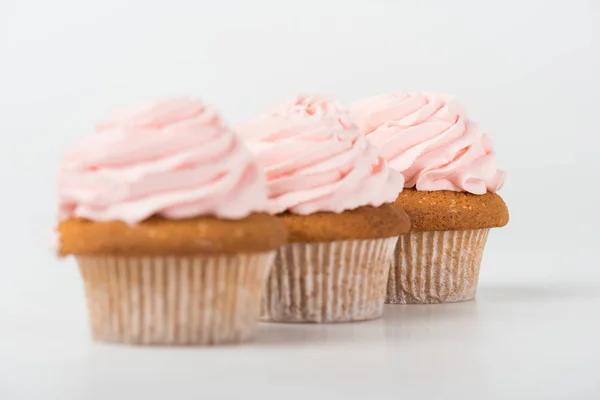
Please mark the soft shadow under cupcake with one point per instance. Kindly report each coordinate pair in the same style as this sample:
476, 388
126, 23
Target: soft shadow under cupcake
453, 321
285, 334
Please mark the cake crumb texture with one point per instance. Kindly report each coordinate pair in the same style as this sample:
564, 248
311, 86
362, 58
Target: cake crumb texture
444, 210
159, 236
361, 223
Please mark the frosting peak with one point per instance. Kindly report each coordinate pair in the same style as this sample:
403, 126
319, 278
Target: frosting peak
429, 138
316, 159
174, 158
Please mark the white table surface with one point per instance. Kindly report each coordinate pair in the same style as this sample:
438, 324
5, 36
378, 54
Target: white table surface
530, 341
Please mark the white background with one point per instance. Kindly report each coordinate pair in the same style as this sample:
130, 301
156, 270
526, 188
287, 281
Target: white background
525, 70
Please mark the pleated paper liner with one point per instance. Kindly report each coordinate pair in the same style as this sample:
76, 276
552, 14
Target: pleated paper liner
180, 300
329, 282
436, 267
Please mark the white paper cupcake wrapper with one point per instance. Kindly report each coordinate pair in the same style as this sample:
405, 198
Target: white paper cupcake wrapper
179, 300
329, 282
436, 267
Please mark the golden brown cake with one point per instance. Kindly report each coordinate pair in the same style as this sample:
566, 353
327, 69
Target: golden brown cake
335, 267
255, 233
362, 223
331, 189
445, 210
451, 177
162, 211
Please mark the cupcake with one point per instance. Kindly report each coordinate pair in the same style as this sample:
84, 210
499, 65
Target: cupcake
330, 188
451, 180
163, 210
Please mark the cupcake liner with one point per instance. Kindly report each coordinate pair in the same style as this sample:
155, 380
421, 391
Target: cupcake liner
436, 267
175, 300
328, 282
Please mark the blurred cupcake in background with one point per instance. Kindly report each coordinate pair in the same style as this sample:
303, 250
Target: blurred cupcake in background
331, 189
161, 208
451, 179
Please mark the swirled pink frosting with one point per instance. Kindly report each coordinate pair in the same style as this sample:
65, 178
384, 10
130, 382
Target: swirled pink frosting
429, 138
316, 159
174, 158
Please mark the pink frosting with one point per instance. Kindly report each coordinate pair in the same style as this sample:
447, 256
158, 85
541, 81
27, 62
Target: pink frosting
174, 158
429, 138
316, 159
